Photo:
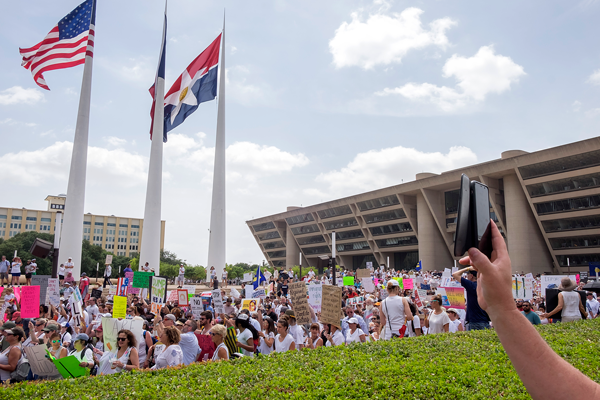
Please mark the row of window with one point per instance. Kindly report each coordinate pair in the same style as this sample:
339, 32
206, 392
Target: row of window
263, 227
299, 219
2, 224
572, 224
385, 216
571, 242
276, 254
334, 212
568, 205
273, 245
388, 229
575, 260
563, 164
400, 241
310, 240
564, 185
341, 247
378, 203
341, 223
269, 235
303, 230
57, 206
15, 225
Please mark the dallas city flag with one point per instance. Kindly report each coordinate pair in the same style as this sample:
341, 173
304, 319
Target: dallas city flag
65, 46
197, 84
258, 279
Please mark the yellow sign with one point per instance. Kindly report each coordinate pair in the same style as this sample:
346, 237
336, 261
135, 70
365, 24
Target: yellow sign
119, 307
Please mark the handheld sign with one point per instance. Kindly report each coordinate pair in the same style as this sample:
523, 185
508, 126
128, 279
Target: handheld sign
297, 292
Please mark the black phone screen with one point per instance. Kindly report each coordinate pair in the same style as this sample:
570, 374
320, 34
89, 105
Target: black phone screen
481, 218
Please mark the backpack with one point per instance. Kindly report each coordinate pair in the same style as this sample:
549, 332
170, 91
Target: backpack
22, 371
94, 369
154, 340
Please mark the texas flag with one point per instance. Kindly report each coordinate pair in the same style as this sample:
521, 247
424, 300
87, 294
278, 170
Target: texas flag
197, 84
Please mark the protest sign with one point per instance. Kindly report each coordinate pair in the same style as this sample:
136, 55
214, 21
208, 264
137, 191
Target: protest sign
363, 273
441, 291
233, 292
158, 290
419, 281
42, 282
191, 290
369, 264
112, 326
259, 294
108, 259
77, 295
119, 307
217, 297
30, 302
297, 292
130, 288
248, 277
182, 297
112, 290
315, 292
348, 281
448, 281
456, 297
122, 286
425, 287
69, 367
552, 282
172, 296
354, 301
408, 284
53, 292
418, 301
330, 305
528, 287
400, 282
141, 279
40, 365
447, 272
250, 304
339, 282
583, 276
96, 293
367, 284
197, 308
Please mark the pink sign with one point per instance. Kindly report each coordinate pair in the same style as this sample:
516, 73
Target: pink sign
130, 288
376, 281
577, 278
17, 292
30, 302
408, 284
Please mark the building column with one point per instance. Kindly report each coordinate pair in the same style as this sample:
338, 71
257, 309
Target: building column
433, 252
292, 250
526, 246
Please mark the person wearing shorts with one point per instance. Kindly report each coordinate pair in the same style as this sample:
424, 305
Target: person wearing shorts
29, 270
180, 278
15, 271
61, 274
4, 267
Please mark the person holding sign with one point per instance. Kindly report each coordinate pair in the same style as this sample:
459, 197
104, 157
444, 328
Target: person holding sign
82, 352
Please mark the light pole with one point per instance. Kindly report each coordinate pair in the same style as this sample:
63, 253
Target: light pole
57, 229
332, 259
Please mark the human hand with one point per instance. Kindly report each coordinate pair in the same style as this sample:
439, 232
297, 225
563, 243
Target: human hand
83, 364
494, 276
31, 326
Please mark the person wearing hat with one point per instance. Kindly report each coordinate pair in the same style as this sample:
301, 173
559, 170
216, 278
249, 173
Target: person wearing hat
333, 334
455, 323
246, 336
569, 302
82, 352
7, 325
295, 330
354, 333
66, 334
9, 358
180, 278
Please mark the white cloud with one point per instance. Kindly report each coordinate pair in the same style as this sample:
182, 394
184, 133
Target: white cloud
594, 78
385, 39
377, 169
576, 106
17, 95
244, 88
115, 141
139, 70
477, 76
105, 167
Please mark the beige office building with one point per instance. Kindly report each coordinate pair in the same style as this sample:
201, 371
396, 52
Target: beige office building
546, 204
119, 235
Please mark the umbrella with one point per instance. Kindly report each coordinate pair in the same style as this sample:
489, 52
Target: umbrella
593, 286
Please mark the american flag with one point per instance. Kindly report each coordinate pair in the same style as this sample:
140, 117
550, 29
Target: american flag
65, 46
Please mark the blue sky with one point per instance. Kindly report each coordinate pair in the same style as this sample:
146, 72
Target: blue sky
324, 100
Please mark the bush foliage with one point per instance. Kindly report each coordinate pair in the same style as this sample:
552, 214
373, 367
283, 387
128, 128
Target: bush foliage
465, 365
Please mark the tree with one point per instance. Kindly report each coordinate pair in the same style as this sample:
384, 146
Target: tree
22, 244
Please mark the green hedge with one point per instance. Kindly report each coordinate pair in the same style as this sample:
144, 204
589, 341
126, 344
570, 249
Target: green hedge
465, 365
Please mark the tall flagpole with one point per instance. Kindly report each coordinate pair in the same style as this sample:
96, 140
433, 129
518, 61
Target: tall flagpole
150, 247
72, 230
216, 243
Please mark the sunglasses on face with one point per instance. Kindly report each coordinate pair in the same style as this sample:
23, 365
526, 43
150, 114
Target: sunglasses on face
121, 339
212, 333
56, 341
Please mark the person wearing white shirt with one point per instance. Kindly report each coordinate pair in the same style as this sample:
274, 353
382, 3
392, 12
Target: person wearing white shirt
455, 323
592, 305
189, 342
92, 311
107, 275
69, 268
180, 278
61, 274
335, 337
295, 330
146, 267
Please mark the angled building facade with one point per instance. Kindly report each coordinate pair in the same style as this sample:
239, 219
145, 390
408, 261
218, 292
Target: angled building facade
546, 204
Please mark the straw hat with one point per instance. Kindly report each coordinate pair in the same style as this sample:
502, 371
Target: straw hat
566, 284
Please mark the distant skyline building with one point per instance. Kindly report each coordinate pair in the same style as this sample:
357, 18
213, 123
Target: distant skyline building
118, 235
546, 204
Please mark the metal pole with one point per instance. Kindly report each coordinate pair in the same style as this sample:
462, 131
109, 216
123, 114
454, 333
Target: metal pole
97, 266
300, 264
332, 261
57, 230
568, 266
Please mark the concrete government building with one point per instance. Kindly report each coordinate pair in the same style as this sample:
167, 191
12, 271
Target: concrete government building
118, 235
546, 204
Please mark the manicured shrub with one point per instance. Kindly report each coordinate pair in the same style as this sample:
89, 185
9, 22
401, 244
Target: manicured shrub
465, 365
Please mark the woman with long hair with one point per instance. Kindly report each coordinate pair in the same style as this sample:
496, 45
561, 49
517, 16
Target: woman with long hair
126, 357
284, 341
314, 339
246, 336
267, 335
437, 321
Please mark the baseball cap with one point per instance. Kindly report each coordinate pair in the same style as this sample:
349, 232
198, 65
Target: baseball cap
8, 325
171, 317
353, 321
16, 315
81, 336
243, 317
454, 310
50, 328
393, 282
290, 313
179, 323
